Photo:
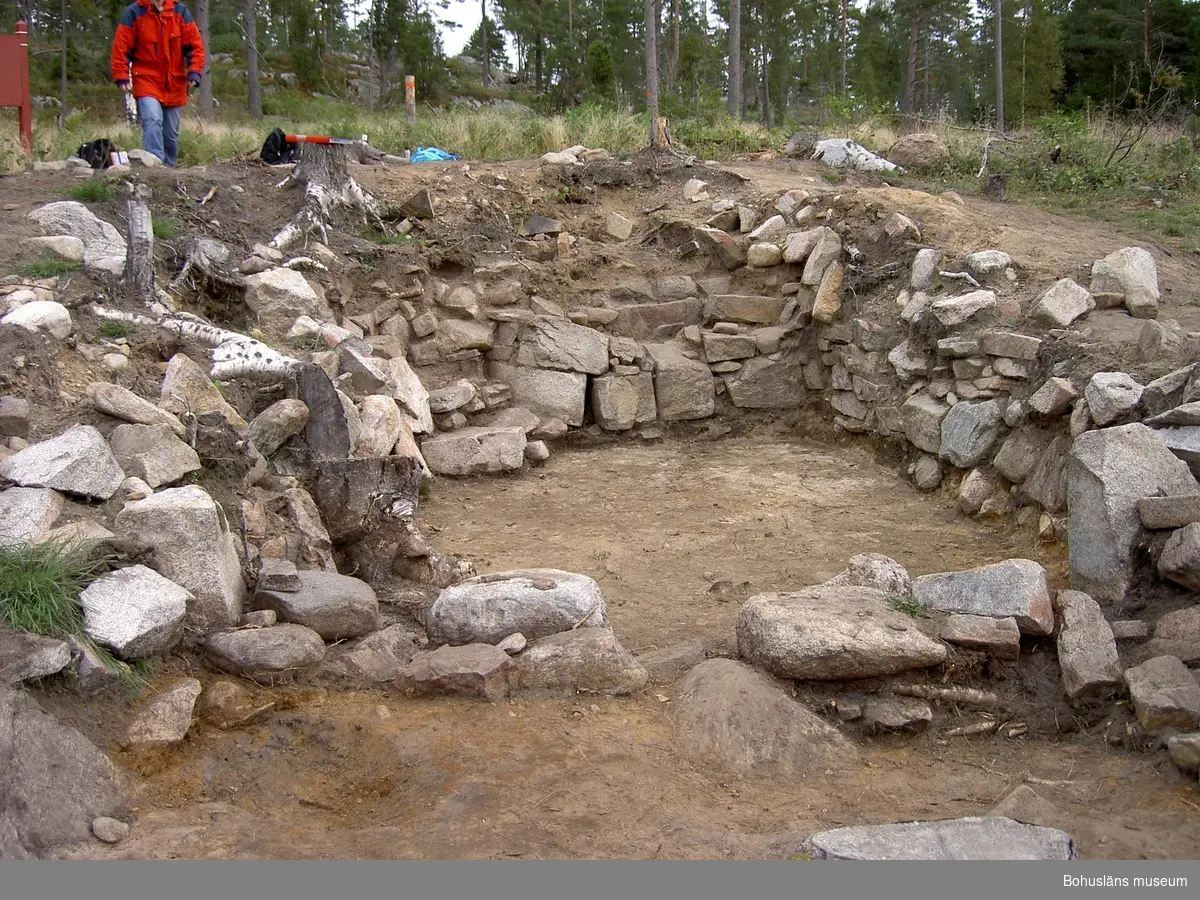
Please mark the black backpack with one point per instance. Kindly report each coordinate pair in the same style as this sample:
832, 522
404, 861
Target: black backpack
97, 153
278, 149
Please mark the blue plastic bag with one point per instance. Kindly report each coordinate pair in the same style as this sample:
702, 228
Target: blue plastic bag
432, 154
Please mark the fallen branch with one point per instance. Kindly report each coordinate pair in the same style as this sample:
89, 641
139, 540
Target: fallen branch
960, 696
965, 276
234, 355
973, 730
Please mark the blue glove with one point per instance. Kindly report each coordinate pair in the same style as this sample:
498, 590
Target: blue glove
194, 77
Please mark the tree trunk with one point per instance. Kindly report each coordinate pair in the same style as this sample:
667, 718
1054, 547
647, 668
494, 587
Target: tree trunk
764, 65
250, 14
844, 83
1000, 65
673, 67
206, 90
483, 39
139, 259
1146, 29
63, 110
651, 7
735, 58
910, 85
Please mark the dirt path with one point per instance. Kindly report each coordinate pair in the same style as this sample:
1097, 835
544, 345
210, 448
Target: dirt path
374, 776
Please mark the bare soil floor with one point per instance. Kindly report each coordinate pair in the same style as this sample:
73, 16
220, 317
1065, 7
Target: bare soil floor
366, 775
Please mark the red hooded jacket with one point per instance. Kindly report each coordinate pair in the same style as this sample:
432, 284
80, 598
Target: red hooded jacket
163, 48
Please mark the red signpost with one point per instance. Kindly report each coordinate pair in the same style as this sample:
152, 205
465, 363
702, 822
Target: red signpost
14, 80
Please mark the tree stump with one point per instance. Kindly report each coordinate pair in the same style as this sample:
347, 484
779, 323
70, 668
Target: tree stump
139, 259
328, 186
995, 187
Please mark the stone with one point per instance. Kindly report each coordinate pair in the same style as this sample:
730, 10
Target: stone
1185, 415
550, 394
897, 714
987, 262
42, 316
165, 719
617, 226
927, 473
720, 246
513, 644
921, 152
1130, 271
265, 653
1014, 588
1010, 344
453, 396
764, 255
139, 158
366, 374
227, 704
1111, 396
26, 657
121, 403
476, 670
667, 665
335, 606
800, 244
992, 837
186, 388
745, 723
976, 489
1087, 649
773, 230
26, 514
135, 612
152, 453
1159, 513
1164, 694
194, 548
924, 268
411, 395
1180, 558
1130, 630
534, 602
1166, 392
1184, 750
1108, 472
1053, 398
461, 300
109, 830
922, 416
277, 296
551, 343
56, 781
101, 240
63, 246
1184, 443
1000, 638
14, 417
683, 388
373, 660
720, 347
954, 311
424, 324
969, 430
78, 461
825, 252
876, 571
831, 633
694, 188
745, 308
278, 575
901, 227
1063, 303
828, 301
1047, 485
644, 320
619, 402
766, 384
586, 660
381, 425
1019, 455
277, 424
454, 335
475, 451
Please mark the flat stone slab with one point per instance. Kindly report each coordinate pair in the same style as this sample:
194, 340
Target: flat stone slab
1162, 513
1014, 588
24, 657
1000, 638
1164, 694
165, 720
586, 660
78, 461
481, 671
831, 633
335, 606
969, 838
135, 611
1087, 649
265, 653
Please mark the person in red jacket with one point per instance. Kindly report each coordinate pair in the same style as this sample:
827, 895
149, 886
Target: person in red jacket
157, 54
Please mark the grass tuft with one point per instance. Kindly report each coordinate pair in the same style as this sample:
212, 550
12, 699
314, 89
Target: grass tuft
907, 605
92, 191
114, 328
49, 268
164, 228
39, 587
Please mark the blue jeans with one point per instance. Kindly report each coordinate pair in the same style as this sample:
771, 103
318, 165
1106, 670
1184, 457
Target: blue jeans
160, 129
